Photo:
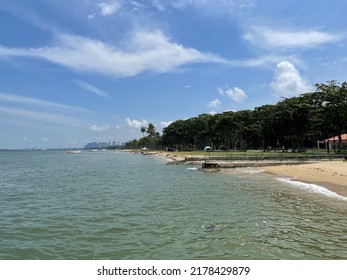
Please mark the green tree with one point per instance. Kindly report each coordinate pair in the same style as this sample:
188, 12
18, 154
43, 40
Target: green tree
295, 122
151, 130
334, 107
143, 130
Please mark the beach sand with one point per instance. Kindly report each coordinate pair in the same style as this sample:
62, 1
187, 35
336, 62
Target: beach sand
329, 174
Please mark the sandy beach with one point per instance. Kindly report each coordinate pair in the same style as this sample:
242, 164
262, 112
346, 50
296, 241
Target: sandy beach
329, 174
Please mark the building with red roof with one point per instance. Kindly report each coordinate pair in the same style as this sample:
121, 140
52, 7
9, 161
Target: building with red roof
332, 142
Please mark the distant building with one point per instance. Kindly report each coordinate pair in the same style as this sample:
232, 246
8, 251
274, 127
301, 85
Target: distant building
101, 145
97, 145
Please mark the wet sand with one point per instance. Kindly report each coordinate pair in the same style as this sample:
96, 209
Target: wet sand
329, 174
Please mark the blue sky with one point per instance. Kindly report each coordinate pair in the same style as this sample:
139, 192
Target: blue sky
79, 71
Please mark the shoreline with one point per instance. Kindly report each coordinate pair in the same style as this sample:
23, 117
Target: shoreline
330, 174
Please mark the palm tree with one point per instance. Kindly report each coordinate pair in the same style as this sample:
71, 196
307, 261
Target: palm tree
143, 130
151, 130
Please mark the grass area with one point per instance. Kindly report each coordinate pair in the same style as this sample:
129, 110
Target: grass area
251, 154
259, 154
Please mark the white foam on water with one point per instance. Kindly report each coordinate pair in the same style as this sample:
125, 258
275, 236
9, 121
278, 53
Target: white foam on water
312, 188
193, 168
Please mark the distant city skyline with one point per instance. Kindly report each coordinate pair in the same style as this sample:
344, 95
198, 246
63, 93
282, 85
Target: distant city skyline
75, 72
102, 145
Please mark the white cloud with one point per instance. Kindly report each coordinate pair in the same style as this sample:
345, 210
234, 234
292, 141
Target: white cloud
12, 98
44, 117
221, 91
136, 123
236, 94
287, 81
214, 103
213, 113
164, 124
91, 16
268, 38
264, 61
91, 88
98, 128
213, 7
159, 5
29, 109
44, 139
142, 52
109, 9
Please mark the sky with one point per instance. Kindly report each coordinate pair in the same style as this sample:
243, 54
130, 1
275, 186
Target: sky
79, 71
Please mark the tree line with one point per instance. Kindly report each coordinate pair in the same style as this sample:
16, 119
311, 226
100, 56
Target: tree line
296, 123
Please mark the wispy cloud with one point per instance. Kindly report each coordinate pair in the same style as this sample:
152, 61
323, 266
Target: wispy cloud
12, 98
98, 128
214, 7
27, 108
91, 16
44, 117
269, 38
25, 11
142, 53
263, 61
91, 88
288, 81
159, 5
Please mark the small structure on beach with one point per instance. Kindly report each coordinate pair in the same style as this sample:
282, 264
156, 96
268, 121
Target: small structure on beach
209, 165
207, 149
206, 164
333, 142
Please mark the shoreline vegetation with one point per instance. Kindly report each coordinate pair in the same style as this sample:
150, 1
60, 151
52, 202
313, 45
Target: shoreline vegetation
300, 138
328, 171
312, 120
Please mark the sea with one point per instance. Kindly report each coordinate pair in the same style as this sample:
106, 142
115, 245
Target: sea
115, 205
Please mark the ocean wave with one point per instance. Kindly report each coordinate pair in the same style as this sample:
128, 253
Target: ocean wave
312, 188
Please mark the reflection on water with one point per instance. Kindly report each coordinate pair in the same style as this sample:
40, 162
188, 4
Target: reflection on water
115, 205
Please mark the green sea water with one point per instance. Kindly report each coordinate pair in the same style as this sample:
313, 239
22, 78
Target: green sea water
117, 205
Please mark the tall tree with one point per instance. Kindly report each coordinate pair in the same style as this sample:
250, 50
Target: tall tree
295, 122
151, 130
334, 107
143, 130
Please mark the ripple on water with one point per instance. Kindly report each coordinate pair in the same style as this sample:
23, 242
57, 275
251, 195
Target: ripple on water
124, 206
